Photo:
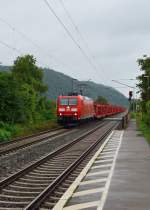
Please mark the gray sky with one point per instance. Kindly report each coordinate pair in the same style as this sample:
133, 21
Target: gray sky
117, 33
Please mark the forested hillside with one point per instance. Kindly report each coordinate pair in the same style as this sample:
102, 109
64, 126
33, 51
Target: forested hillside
59, 83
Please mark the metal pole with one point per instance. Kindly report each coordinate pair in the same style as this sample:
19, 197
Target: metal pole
134, 103
148, 88
72, 85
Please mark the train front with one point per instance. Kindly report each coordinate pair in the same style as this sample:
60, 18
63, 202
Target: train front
68, 110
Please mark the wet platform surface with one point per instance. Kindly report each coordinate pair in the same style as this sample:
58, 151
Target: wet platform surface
130, 184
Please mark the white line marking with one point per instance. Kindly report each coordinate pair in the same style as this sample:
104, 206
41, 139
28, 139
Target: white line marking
106, 156
97, 173
87, 192
65, 197
112, 151
103, 161
104, 195
101, 166
81, 206
108, 150
111, 147
112, 144
93, 181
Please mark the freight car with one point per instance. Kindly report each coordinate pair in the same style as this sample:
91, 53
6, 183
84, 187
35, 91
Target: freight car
72, 109
106, 110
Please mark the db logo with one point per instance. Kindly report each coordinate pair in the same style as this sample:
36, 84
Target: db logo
68, 108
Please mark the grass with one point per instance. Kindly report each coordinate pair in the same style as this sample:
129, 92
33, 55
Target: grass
8, 132
143, 127
37, 127
133, 115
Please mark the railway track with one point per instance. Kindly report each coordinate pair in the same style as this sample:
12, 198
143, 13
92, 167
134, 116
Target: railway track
43, 182
20, 143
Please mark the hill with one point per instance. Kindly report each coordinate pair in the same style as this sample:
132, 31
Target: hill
59, 83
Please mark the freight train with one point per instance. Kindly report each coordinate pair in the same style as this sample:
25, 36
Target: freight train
72, 109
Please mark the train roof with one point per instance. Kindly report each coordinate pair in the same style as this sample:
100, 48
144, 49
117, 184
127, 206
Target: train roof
75, 96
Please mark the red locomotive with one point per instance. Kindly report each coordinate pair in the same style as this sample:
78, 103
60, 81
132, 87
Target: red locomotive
75, 108
72, 109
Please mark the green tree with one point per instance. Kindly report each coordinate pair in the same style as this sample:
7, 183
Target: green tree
21, 90
50, 112
101, 100
26, 71
30, 80
144, 81
9, 101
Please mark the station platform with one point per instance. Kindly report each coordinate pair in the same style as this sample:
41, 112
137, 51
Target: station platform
116, 178
130, 184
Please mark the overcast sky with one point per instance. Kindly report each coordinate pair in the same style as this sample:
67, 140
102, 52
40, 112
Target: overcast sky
117, 32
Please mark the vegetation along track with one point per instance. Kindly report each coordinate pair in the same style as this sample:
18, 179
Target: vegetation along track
28, 188
20, 143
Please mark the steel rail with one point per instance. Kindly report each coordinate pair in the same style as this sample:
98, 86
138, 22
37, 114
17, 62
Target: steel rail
25, 142
6, 148
27, 169
27, 137
37, 202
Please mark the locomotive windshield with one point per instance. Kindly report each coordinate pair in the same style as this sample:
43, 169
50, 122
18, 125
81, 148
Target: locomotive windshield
64, 101
68, 101
72, 101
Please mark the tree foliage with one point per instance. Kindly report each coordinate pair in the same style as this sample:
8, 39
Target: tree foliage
21, 92
144, 86
26, 71
9, 100
101, 100
144, 81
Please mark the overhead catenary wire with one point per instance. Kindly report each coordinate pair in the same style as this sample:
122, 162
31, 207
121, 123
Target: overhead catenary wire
88, 58
75, 26
80, 35
10, 47
69, 33
18, 31
26, 37
36, 45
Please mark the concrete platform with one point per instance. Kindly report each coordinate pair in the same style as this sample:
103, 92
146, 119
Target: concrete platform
130, 184
116, 178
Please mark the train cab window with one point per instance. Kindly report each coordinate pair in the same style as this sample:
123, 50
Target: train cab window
72, 101
64, 101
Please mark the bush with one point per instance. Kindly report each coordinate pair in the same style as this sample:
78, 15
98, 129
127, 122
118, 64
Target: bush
143, 127
132, 115
147, 116
5, 135
8, 131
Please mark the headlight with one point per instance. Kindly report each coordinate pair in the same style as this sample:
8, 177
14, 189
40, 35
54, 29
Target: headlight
74, 109
61, 109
